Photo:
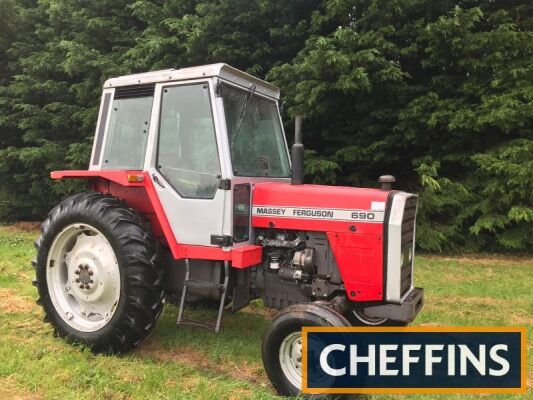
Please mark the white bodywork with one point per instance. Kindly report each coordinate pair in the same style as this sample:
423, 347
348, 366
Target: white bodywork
193, 221
394, 250
220, 70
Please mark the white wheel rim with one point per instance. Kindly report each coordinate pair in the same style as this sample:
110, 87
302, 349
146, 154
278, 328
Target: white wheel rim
290, 358
83, 277
368, 320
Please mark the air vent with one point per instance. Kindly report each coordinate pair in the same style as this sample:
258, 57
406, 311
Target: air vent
131, 92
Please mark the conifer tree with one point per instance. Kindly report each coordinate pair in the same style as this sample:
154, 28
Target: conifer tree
437, 93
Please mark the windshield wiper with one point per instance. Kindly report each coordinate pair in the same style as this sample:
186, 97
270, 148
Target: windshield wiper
242, 114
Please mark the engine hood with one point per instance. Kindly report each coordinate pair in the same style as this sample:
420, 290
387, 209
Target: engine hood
318, 207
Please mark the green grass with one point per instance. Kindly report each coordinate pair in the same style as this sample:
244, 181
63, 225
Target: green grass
188, 363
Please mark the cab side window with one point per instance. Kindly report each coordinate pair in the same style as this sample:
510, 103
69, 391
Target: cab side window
187, 153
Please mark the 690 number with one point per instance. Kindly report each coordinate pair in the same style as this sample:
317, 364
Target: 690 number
363, 215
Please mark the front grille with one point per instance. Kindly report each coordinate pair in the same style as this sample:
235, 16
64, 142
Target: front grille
408, 230
406, 273
408, 221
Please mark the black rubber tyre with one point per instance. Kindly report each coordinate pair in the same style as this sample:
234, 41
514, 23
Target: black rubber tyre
141, 294
362, 320
287, 322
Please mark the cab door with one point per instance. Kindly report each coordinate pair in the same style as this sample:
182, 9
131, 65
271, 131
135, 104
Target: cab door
185, 165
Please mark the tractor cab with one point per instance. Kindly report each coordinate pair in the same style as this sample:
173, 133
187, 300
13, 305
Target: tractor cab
191, 198
194, 130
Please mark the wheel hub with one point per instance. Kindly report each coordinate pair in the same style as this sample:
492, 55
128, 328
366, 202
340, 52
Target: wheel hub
84, 277
290, 357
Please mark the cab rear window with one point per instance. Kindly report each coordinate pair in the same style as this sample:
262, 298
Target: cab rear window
127, 133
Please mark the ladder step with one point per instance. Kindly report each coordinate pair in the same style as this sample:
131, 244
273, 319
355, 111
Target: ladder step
221, 287
199, 324
203, 284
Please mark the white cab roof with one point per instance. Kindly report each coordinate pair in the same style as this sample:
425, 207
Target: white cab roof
220, 70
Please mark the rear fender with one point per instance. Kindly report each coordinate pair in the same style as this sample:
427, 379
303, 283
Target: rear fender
137, 189
129, 186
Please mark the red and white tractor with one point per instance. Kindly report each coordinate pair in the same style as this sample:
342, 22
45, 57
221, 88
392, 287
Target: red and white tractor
191, 197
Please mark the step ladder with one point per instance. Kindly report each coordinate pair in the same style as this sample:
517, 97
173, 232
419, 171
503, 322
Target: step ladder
194, 283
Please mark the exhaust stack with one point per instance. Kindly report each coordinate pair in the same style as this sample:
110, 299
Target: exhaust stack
297, 153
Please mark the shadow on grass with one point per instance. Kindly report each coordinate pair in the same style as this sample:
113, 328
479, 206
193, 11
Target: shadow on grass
235, 352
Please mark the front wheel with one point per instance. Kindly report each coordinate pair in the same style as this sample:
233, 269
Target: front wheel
282, 343
96, 277
356, 317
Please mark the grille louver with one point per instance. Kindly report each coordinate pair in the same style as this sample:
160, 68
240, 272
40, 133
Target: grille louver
131, 92
408, 230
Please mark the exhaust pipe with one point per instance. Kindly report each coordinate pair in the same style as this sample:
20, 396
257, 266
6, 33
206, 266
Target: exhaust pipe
297, 153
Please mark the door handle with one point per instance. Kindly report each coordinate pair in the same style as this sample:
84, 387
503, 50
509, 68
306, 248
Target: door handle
156, 180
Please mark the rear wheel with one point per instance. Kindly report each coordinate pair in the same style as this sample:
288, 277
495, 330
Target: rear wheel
282, 343
96, 277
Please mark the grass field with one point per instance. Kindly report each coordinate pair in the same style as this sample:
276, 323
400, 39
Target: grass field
188, 363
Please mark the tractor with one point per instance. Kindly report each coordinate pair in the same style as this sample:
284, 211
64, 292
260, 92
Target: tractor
192, 196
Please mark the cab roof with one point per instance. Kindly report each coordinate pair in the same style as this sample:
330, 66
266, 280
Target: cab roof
220, 70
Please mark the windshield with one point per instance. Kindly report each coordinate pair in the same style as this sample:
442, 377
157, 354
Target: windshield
254, 131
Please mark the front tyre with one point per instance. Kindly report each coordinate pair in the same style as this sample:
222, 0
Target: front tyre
96, 277
282, 343
356, 317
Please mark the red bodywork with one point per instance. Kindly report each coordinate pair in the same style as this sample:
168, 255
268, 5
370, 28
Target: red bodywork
142, 196
357, 245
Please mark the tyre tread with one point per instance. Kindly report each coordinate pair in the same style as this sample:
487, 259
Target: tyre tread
143, 301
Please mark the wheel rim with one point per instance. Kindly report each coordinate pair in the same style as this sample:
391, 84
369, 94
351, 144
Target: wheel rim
290, 358
368, 320
83, 277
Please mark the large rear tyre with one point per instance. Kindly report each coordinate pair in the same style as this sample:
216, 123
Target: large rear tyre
282, 343
96, 275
